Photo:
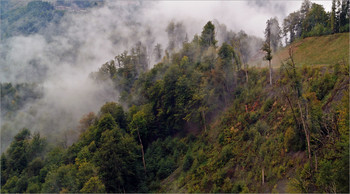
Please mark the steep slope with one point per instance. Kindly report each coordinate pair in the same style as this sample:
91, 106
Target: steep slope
261, 135
259, 144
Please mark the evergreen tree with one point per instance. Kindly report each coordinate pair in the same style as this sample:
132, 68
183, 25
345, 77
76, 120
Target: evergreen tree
333, 18
207, 37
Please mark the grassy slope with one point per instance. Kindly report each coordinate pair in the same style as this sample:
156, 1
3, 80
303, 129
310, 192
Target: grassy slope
317, 50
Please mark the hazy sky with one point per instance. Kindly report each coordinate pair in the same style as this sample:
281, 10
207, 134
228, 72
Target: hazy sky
251, 16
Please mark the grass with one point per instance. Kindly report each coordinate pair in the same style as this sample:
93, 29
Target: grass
321, 50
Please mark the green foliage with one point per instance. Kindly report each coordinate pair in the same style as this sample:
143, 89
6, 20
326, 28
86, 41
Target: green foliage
94, 185
166, 167
116, 112
22, 161
61, 180
315, 21
117, 160
323, 86
290, 141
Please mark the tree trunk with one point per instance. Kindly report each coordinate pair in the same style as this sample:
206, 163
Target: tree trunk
315, 162
143, 153
262, 175
246, 72
305, 131
235, 74
290, 105
204, 123
270, 72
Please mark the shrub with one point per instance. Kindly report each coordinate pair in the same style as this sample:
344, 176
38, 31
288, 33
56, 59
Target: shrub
268, 105
166, 167
187, 162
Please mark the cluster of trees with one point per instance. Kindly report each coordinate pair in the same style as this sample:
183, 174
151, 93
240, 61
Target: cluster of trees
313, 20
15, 96
28, 19
310, 20
198, 76
80, 4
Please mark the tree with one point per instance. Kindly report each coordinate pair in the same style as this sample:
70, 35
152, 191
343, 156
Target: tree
226, 54
176, 35
333, 18
18, 152
305, 8
292, 25
296, 86
267, 46
243, 49
116, 111
158, 52
106, 122
63, 179
86, 121
117, 160
344, 16
207, 37
139, 125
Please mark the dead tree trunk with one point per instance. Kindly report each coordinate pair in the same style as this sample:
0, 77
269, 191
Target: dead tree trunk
263, 175
307, 134
270, 72
204, 123
246, 72
143, 153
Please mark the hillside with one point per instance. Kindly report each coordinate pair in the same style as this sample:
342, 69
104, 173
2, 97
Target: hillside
319, 50
259, 135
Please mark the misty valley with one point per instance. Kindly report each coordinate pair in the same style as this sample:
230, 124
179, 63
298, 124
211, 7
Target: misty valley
108, 96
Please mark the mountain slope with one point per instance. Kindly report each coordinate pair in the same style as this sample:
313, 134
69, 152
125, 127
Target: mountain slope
195, 122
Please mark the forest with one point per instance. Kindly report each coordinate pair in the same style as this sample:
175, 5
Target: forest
190, 115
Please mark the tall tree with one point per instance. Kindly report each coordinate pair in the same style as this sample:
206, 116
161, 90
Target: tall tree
176, 35
158, 52
305, 8
292, 26
207, 38
117, 161
344, 16
267, 47
333, 18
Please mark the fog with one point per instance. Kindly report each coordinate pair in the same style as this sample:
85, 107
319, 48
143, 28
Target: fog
61, 57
